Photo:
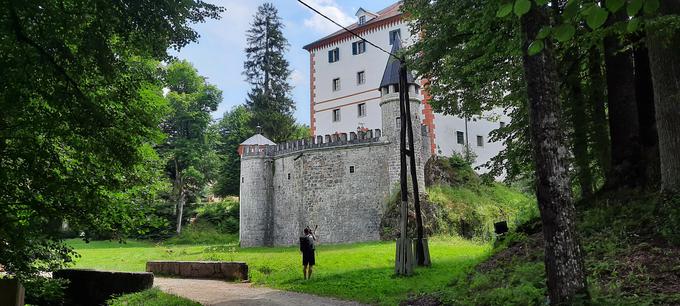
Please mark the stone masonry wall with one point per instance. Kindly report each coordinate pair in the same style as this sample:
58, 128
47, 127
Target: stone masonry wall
322, 191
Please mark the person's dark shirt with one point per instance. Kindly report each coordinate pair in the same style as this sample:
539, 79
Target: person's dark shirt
310, 238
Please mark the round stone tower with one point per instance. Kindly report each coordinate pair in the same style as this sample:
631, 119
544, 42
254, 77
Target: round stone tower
256, 188
391, 123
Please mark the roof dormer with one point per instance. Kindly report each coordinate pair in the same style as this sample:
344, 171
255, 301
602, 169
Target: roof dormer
363, 16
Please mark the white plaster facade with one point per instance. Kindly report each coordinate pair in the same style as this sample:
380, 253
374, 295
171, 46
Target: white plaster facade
325, 99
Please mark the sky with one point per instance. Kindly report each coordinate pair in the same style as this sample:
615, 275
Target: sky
219, 53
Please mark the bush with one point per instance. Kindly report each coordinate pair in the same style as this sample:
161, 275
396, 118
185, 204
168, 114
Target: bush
202, 232
45, 291
223, 215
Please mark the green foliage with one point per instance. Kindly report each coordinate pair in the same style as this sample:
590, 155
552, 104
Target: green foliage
267, 71
81, 105
44, 291
201, 232
476, 59
231, 130
471, 212
151, 297
188, 150
224, 215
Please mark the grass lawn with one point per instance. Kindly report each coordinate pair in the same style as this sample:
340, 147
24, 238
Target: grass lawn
151, 297
360, 271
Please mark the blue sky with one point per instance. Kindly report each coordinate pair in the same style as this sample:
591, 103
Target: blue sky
219, 54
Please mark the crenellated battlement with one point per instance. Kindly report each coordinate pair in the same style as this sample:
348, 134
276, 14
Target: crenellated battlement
302, 145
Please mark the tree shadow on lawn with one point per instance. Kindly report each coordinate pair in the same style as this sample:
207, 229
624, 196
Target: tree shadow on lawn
381, 285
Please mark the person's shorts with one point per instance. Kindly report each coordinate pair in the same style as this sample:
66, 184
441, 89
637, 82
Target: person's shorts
308, 258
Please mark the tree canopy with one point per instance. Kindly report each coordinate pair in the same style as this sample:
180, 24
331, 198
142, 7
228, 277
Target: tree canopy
81, 106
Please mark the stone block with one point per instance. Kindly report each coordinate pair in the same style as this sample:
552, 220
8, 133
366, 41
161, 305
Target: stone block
232, 271
11, 292
94, 287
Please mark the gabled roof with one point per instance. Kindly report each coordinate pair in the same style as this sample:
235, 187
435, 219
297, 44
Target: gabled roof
362, 11
392, 11
257, 139
391, 74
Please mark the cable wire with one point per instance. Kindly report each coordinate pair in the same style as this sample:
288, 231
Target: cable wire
350, 31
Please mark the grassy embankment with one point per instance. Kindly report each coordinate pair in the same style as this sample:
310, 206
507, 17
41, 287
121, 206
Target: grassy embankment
631, 243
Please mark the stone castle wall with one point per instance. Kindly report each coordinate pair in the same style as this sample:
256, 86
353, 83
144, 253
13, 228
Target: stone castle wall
341, 184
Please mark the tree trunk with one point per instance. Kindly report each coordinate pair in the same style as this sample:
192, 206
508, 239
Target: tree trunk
600, 135
180, 208
580, 123
566, 278
649, 138
664, 60
624, 129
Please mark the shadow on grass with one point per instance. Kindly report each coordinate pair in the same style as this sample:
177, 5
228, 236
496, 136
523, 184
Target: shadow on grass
381, 285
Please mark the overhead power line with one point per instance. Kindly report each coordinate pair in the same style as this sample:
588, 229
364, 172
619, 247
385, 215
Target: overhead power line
348, 30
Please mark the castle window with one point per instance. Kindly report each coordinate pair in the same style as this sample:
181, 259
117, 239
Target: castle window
398, 123
361, 109
351, 169
361, 77
502, 124
394, 34
460, 137
480, 141
336, 115
358, 47
242, 179
288, 175
336, 84
333, 55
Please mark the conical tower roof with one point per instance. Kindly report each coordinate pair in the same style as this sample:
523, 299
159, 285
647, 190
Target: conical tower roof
257, 139
391, 74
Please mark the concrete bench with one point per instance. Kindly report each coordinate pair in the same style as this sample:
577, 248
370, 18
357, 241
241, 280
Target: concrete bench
94, 287
232, 271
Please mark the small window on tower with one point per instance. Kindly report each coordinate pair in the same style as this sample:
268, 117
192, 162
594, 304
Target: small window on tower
460, 137
351, 169
398, 123
502, 124
480, 141
242, 180
288, 175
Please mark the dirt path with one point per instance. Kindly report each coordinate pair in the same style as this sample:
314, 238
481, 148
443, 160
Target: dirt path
219, 293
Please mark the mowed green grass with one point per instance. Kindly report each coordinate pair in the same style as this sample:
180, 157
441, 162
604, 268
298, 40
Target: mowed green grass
361, 271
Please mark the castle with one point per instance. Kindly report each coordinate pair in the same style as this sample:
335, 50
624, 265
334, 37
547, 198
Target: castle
340, 182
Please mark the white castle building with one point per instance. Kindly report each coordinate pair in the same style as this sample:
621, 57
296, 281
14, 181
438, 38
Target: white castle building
345, 73
341, 182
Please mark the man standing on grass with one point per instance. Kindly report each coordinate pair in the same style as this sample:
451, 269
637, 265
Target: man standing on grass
307, 249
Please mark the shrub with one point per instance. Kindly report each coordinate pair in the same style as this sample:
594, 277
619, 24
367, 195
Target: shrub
223, 215
202, 232
45, 291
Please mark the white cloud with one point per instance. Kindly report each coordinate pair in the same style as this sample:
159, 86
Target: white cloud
331, 9
297, 78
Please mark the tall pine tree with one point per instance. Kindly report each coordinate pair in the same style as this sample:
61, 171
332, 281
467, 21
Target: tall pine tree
267, 72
